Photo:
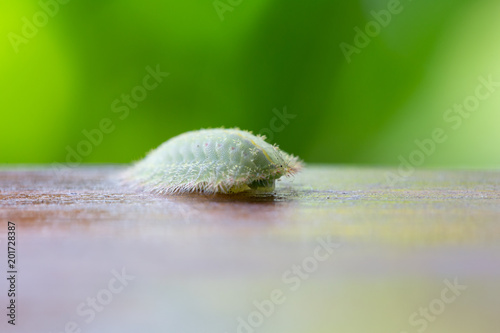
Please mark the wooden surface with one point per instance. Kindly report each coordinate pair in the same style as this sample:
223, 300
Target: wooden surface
200, 263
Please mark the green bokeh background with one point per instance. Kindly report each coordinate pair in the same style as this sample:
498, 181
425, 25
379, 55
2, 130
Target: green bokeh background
262, 56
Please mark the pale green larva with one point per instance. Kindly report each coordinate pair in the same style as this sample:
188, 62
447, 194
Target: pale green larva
212, 161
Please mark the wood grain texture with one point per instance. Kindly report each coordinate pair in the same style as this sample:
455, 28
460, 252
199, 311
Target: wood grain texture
201, 261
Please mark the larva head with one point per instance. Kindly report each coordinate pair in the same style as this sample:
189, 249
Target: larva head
288, 164
282, 165
259, 154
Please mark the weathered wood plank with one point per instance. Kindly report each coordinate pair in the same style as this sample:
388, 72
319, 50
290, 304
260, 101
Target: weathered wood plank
200, 262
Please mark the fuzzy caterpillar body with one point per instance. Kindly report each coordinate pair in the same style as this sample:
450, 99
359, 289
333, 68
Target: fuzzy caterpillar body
212, 161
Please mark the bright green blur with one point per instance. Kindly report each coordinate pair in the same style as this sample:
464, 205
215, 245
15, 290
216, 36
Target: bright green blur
86, 81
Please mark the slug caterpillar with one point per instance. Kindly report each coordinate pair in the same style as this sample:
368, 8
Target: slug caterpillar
212, 161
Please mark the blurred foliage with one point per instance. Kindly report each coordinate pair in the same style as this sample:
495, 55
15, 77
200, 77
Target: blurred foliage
261, 56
